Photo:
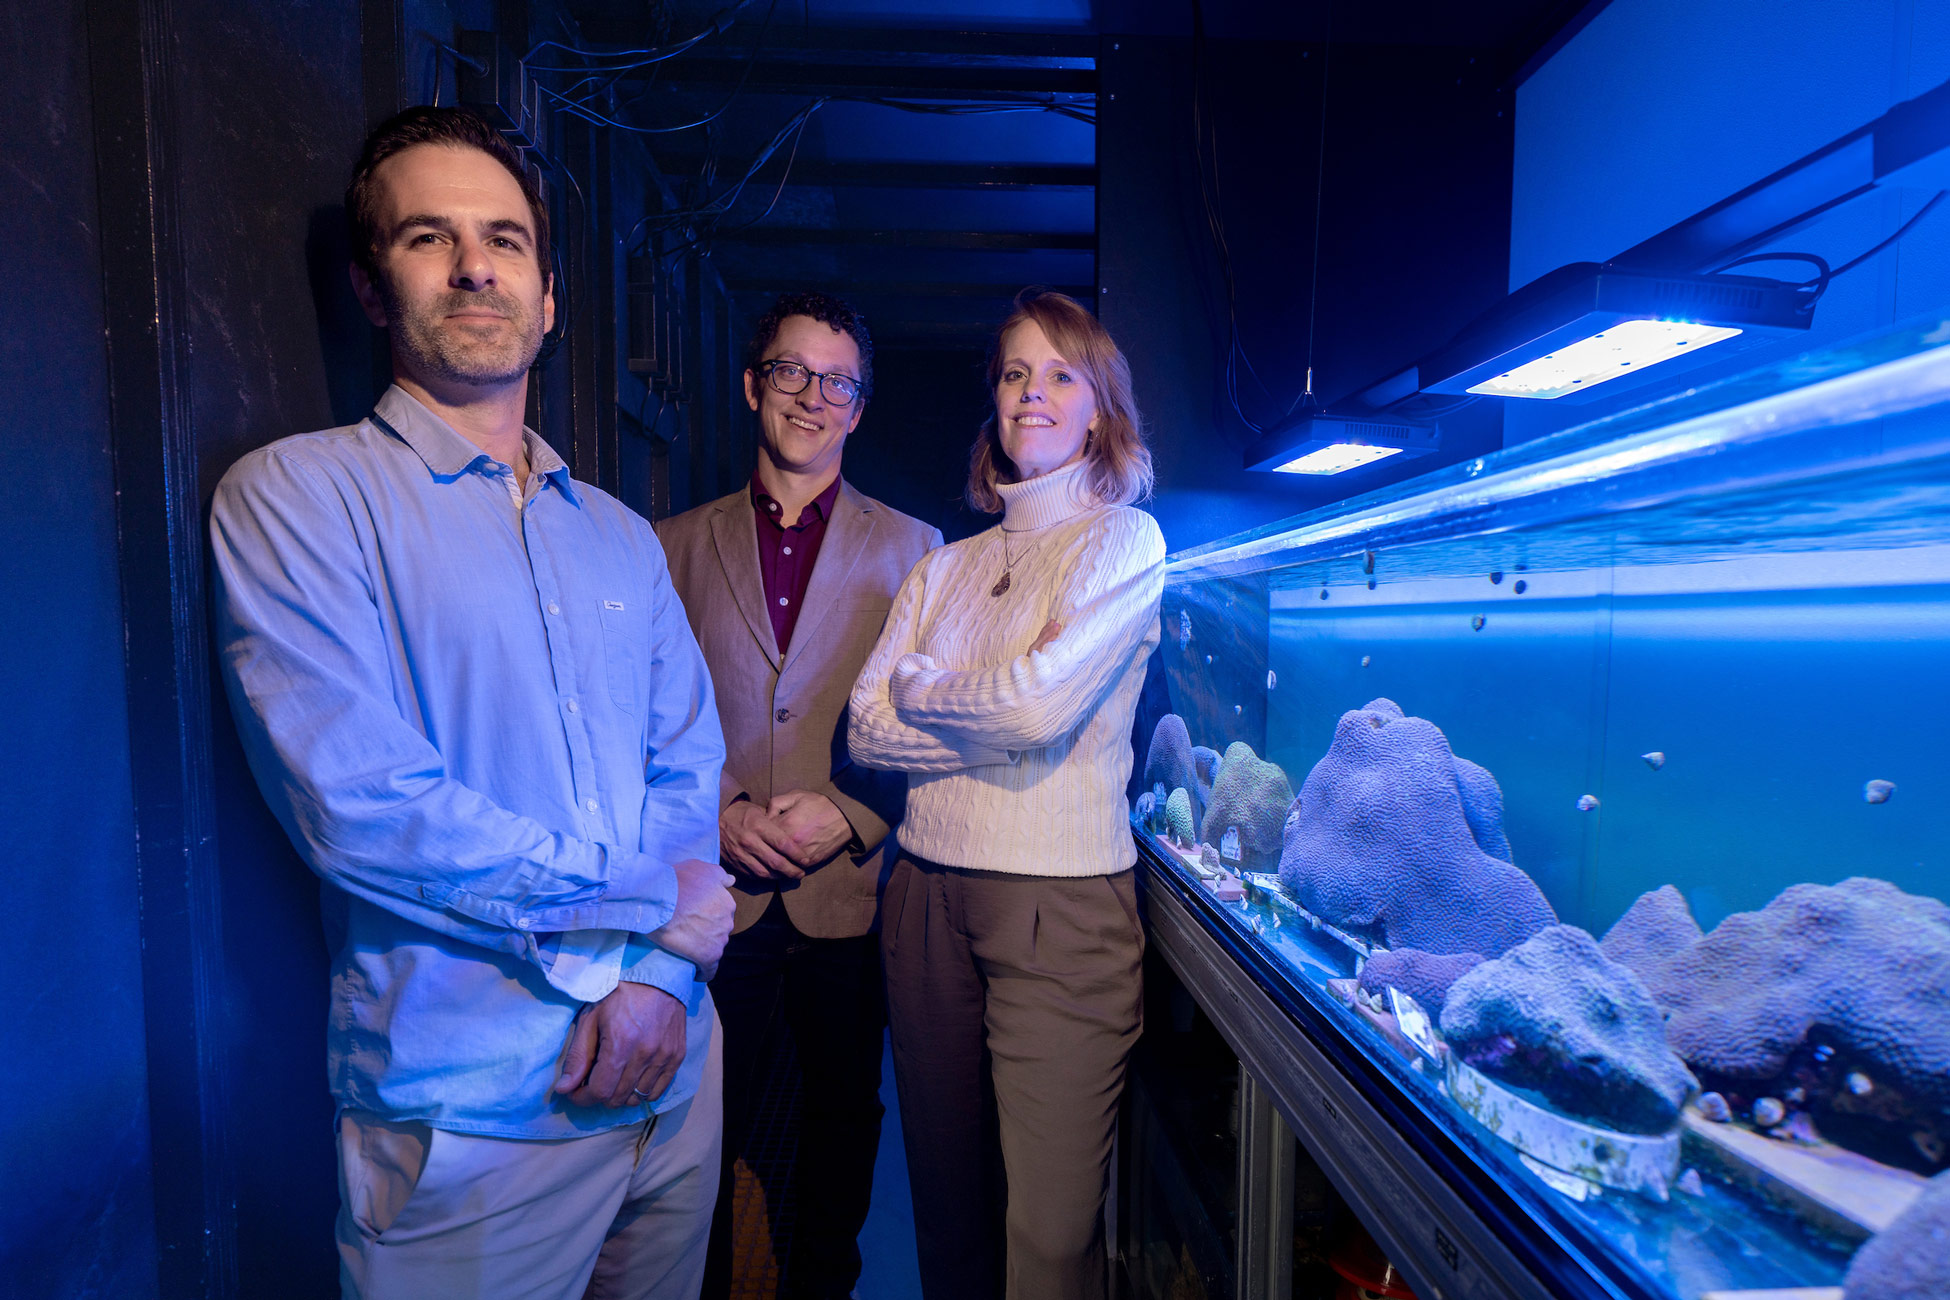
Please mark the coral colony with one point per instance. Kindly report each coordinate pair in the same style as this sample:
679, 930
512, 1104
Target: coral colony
1395, 837
1822, 1018
1554, 1014
1910, 1259
1249, 800
1834, 996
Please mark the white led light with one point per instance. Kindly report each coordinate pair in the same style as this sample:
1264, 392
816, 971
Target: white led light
1332, 460
1624, 349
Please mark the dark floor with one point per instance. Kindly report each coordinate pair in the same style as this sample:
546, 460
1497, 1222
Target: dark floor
886, 1243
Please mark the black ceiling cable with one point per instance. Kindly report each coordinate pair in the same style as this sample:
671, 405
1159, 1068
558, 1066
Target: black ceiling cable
1214, 221
1320, 187
1823, 272
1204, 139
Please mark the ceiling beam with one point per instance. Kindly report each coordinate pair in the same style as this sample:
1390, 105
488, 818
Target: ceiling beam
919, 175
899, 80
821, 43
861, 291
973, 241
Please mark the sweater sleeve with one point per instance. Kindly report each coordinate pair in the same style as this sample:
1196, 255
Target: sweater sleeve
878, 738
1107, 601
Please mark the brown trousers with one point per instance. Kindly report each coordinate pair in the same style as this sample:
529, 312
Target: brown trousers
1014, 1002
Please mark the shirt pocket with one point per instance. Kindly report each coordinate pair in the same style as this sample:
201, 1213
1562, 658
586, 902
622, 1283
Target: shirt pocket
620, 653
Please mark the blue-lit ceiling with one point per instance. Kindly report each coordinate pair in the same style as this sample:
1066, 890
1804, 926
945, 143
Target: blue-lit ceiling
974, 173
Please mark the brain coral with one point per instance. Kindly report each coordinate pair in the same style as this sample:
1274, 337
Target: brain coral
1172, 760
1253, 795
1178, 818
1394, 835
1909, 1259
1861, 967
1424, 976
1556, 1015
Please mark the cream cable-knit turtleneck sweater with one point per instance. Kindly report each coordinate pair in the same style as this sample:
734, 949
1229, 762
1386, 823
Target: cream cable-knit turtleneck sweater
1016, 761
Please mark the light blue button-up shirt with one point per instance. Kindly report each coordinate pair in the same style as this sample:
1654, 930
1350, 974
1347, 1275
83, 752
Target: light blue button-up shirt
489, 729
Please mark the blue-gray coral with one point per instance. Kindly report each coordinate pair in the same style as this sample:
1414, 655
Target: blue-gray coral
1178, 818
1205, 765
1557, 1016
1395, 836
1170, 757
1909, 1259
1175, 761
1253, 796
1425, 976
1825, 983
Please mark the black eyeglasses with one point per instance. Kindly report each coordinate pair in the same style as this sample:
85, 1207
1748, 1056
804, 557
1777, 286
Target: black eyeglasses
791, 378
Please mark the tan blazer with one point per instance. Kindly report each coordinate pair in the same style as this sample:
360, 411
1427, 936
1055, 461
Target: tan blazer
785, 721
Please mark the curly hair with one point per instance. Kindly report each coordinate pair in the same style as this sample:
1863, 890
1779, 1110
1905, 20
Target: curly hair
456, 128
835, 313
1117, 463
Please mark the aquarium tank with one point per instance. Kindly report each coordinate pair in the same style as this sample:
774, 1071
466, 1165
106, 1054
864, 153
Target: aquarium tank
1599, 791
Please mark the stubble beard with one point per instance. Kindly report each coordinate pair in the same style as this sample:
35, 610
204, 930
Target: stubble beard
440, 349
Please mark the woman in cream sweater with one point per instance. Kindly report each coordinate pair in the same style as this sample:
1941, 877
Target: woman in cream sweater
1005, 684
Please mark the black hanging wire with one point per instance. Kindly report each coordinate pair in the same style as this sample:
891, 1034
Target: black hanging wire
1320, 189
1204, 141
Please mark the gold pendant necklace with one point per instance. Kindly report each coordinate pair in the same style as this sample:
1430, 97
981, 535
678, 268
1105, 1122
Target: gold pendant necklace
1008, 564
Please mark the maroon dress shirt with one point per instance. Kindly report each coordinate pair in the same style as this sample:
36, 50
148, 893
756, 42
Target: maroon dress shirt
786, 555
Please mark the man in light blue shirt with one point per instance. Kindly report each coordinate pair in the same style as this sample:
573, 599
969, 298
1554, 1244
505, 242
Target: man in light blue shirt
468, 691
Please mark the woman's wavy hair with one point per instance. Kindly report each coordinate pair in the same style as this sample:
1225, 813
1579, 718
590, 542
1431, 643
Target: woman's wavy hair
1117, 465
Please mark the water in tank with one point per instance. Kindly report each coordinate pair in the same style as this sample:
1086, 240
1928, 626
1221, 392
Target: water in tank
1600, 791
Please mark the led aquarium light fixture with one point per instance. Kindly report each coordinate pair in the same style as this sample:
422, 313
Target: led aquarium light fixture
1587, 324
1326, 444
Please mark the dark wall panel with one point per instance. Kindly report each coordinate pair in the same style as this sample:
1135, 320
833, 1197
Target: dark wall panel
1414, 220
270, 115
76, 1215
911, 449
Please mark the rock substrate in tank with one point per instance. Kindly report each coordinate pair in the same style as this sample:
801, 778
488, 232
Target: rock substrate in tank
1558, 1017
1833, 1002
1252, 797
1396, 837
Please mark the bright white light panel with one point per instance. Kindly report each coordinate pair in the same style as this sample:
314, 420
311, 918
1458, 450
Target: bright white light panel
1624, 349
1333, 460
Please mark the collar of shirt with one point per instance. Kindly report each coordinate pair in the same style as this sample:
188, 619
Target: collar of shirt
449, 454
764, 502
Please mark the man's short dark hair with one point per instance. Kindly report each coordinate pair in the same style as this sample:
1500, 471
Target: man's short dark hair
456, 128
827, 310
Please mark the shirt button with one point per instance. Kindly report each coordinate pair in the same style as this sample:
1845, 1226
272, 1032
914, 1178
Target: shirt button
554, 608
574, 707
788, 550
784, 601
522, 923
590, 804
783, 715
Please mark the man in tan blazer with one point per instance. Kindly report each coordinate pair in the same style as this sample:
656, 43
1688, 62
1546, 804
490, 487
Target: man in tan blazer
805, 831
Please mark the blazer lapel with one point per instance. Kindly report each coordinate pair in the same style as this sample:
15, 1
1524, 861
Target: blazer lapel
735, 530
846, 539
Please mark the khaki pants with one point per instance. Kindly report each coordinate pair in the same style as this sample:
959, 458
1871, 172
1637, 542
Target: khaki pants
427, 1214
1015, 1002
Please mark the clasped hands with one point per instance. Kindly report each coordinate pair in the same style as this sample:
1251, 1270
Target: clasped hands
783, 840
625, 1049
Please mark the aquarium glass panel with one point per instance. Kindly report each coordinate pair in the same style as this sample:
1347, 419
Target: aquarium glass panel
1597, 791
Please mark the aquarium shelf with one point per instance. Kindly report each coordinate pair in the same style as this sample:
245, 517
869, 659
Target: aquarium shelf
1455, 1231
1847, 1194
